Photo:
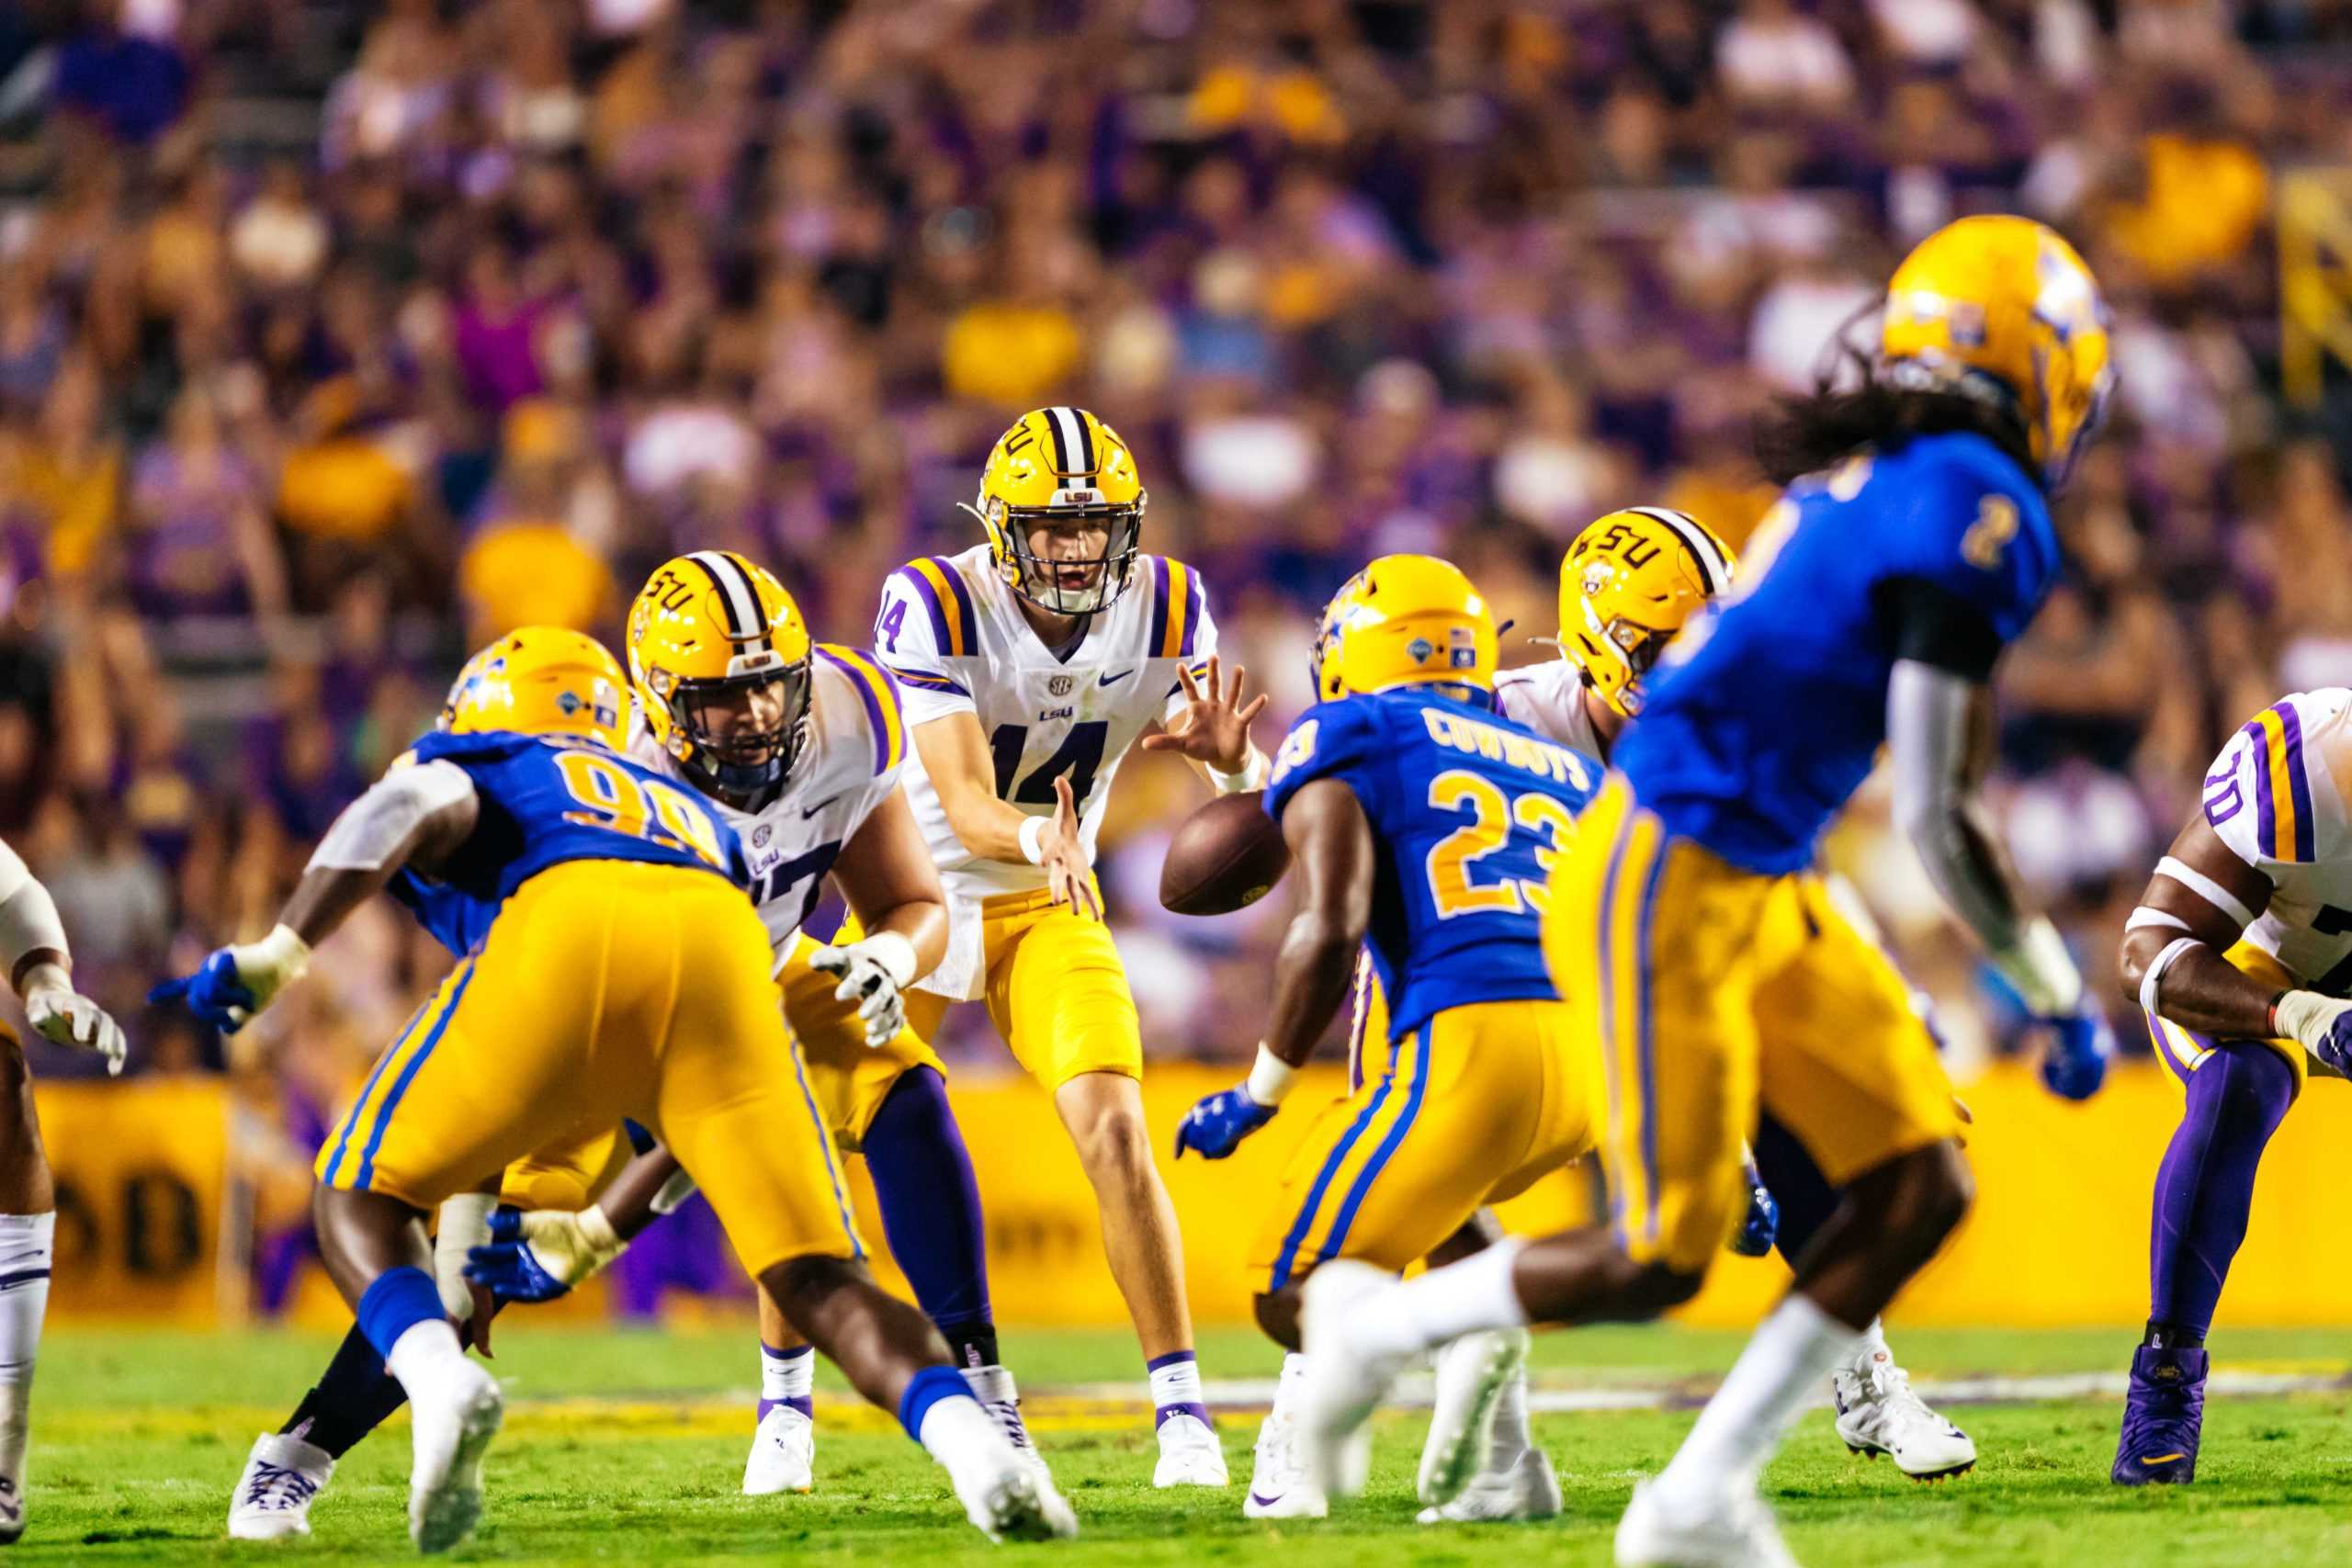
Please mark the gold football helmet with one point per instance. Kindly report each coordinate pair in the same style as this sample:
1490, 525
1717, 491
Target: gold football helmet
1062, 467
707, 629
1405, 620
541, 681
2001, 306
1627, 584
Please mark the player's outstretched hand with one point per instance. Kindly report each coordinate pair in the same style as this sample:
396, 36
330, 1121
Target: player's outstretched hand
66, 1017
872, 975
1214, 1128
2073, 1065
539, 1255
215, 993
1762, 1226
1212, 727
1069, 879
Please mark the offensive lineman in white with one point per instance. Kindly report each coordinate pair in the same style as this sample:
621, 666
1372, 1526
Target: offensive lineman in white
1031, 664
40, 967
738, 704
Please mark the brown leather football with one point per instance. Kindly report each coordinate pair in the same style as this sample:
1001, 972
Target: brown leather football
1223, 857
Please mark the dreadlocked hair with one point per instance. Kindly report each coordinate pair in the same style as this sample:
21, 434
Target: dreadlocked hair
1805, 434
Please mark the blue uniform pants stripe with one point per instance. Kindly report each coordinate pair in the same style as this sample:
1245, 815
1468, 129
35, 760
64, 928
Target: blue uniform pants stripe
832, 1164
1645, 1026
351, 1118
1323, 1179
1388, 1145
408, 1073
1607, 966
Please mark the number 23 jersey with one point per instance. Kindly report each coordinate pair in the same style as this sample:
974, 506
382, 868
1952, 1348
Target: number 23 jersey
2276, 797
953, 633
1468, 811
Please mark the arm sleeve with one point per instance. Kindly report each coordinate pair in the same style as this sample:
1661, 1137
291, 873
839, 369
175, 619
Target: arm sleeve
915, 642
379, 822
27, 914
1329, 740
1931, 625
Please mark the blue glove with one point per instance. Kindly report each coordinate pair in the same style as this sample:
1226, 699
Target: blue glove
507, 1267
1762, 1226
1214, 1128
2074, 1063
215, 993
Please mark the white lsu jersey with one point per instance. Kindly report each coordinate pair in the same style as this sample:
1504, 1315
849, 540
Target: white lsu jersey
2276, 797
1549, 699
850, 761
951, 632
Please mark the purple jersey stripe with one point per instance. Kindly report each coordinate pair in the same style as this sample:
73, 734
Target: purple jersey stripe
924, 681
1193, 597
875, 722
965, 618
930, 598
2265, 820
1158, 606
2297, 784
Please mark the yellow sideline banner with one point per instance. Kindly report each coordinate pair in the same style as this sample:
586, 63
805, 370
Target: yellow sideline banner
2059, 1235
142, 1169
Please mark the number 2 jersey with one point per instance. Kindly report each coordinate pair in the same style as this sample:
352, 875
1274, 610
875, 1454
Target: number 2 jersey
1468, 810
952, 631
1768, 710
544, 800
2276, 795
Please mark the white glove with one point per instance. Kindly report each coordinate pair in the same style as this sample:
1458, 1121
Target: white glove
64, 1015
873, 973
572, 1245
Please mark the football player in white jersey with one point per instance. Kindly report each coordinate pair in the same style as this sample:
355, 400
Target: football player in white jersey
1031, 664
800, 744
2240, 955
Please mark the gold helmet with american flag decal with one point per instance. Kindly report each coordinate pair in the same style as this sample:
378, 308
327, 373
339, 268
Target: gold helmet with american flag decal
1627, 584
718, 656
1063, 470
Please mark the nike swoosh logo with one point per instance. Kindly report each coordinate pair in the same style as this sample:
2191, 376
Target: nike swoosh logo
1265, 1502
807, 812
2164, 1458
1120, 676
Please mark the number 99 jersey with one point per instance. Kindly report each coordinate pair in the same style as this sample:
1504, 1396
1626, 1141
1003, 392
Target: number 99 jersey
544, 801
1468, 811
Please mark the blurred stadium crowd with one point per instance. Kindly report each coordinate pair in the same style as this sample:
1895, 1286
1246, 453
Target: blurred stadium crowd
337, 337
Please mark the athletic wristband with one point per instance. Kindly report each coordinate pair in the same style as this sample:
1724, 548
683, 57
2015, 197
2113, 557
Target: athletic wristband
895, 953
2042, 972
1033, 839
596, 1229
2304, 1017
2152, 979
1270, 1079
1251, 776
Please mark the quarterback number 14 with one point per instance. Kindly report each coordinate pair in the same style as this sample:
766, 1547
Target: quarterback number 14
1489, 830
1080, 755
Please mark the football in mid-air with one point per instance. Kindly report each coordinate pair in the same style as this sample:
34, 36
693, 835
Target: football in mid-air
1223, 857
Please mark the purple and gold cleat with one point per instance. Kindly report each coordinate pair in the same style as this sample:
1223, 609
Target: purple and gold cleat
2161, 1418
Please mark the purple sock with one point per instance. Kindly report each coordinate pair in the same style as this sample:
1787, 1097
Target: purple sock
930, 1210
2205, 1186
788, 1377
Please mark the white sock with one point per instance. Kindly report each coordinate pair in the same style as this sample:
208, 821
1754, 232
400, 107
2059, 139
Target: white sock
24, 1299
1871, 1346
1783, 1367
423, 1354
1510, 1437
960, 1434
1286, 1387
789, 1374
1176, 1380
1443, 1304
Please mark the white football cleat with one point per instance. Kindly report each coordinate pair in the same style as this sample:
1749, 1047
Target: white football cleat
1279, 1486
993, 1387
1472, 1374
284, 1475
783, 1454
1190, 1454
452, 1427
1007, 1499
1878, 1414
1530, 1489
1737, 1531
1342, 1383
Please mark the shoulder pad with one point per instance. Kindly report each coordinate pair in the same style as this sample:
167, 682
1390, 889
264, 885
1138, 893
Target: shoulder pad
877, 695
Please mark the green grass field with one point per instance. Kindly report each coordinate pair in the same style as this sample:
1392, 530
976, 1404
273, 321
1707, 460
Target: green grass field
628, 1446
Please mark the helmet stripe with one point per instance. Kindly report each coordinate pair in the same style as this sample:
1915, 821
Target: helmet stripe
736, 596
1071, 447
1714, 569
1088, 460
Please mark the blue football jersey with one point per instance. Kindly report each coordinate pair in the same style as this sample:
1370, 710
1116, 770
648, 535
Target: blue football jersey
1767, 712
545, 800
1468, 810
